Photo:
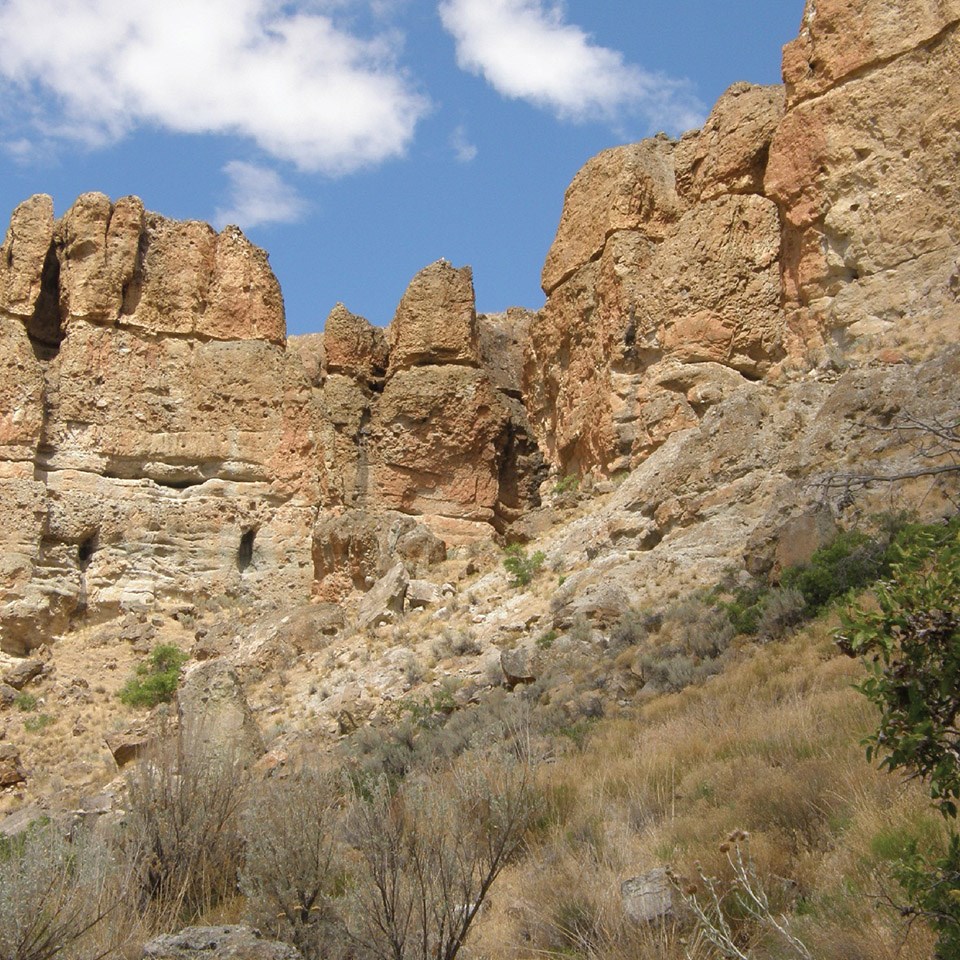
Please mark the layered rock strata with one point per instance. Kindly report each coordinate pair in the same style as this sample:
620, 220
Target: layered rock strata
427, 439
666, 259
160, 439
157, 439
810, 224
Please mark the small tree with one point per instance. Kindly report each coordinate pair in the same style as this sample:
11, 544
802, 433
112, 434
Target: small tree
429, 854
522, 569
53, 892
291, 865
155, 680
911, 646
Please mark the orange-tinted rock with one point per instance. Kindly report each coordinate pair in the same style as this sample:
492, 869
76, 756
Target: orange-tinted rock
436, 321
625, 188
723, 303
434, 443
353, 346
729, 154
192, 281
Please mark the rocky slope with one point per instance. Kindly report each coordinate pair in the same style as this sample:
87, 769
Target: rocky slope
733, 320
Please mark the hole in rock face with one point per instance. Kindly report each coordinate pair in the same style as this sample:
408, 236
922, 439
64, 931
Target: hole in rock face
44, 327
245, 550
85, 551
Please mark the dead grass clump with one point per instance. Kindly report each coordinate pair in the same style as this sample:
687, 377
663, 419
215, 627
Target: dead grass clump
183, 833
771, 745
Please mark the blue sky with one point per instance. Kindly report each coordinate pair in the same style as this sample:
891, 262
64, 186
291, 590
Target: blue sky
359, 140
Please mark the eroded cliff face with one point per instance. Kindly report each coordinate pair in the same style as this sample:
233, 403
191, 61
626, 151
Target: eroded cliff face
160, 439
161, 442
811, 224
423, 421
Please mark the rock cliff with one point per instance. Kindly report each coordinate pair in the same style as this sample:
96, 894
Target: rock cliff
801, 225
162, 440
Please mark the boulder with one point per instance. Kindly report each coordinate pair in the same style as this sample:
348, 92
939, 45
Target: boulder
517, 667
19, 675
99, 244
729, 153
422, 593
649, 897
436, 440
384, 602
24, 254
214, 714
217, 943
130, 742
11, 772
624, 188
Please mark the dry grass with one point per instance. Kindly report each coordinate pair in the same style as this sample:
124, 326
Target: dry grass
772, 746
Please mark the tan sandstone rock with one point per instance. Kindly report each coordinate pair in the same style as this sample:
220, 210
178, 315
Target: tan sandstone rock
837, 39
864, 177
625, 188
23, 254
436, 321
11, 770
353, 346
99, 246
215, 715
729, 154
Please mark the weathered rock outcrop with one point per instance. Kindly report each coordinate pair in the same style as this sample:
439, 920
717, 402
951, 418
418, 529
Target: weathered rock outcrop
423, 427
156, 439
159, 437
799, 226
679, 266
863, 168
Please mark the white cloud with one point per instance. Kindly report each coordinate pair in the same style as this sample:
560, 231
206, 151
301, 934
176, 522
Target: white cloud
463, 149
257, 196
284, 75
525, 50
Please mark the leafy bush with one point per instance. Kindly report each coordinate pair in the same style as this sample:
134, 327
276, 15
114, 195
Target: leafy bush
25, 702
156, 679
911, 647
849, 562
37, 723
522, 569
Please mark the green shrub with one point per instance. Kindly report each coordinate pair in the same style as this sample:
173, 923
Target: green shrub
25, 702
156, 679
849, 562
568, 484
911, 649
522, 569
545, 640
37, 723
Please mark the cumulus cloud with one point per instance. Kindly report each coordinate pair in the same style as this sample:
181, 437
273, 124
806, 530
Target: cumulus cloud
526, 50
464, 150
285, 75
258, 196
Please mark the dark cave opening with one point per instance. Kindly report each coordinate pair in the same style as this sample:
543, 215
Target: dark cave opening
245, 550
